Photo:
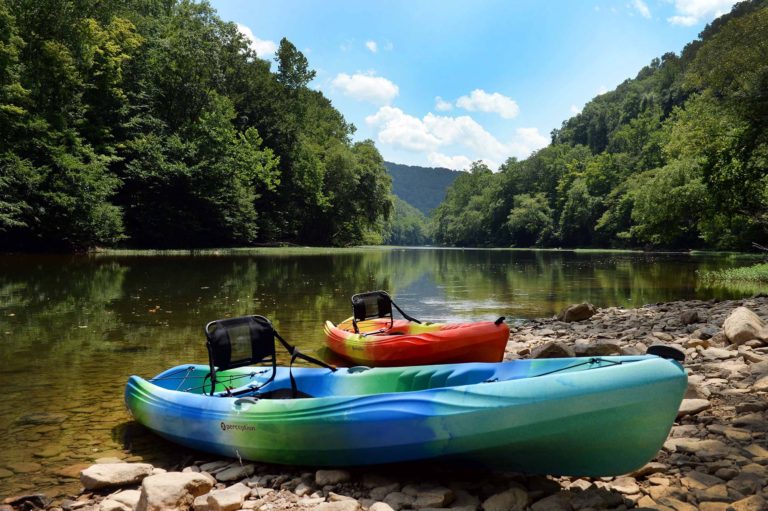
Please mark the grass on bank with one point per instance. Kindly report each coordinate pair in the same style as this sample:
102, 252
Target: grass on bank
755, 274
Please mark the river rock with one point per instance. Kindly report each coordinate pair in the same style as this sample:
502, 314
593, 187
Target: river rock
380, 492
744, 325
234, 472
704, 449
228, 499
514, 499
398, 500
23, 467
553, 350
689, 317
121, 501
761, 384
692, 407
341, 505
577, 312
560, 501
380, 506
104, 475
751, 503
172, 490
324, 477
432, 496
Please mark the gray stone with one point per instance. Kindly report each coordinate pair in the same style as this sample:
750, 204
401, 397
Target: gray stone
553, 350
761, 384
398, 500
692, 407
105, 475
234, 472
173, 490
324, 477
689, 317
513, 499
625, 485
704, 449
433, 496
743, 325
380, 492
577, 312
560, 501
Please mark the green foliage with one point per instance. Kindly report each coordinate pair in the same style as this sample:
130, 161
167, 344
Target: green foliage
674, 158
152, 124
757, 273
407, 226
422, 187
530, 220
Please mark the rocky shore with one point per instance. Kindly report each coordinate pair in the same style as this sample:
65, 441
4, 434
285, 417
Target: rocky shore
716, 457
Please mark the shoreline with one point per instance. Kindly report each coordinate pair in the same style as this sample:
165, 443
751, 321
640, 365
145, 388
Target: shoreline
715, 459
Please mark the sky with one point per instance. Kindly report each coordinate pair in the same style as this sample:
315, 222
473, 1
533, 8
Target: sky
443, 83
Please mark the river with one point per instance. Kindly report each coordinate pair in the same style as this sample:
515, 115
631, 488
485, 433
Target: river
73, 328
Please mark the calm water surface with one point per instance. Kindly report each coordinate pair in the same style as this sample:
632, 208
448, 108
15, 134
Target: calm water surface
72, 329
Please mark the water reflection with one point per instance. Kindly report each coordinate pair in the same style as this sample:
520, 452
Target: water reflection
74, 328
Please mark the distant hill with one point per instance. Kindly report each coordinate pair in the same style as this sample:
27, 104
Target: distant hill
422, 187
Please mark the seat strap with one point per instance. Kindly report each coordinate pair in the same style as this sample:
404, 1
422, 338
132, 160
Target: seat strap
295, 353
406, 316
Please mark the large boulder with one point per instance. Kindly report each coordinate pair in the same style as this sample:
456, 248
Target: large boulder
744, 325
577, 312
104, 475
173, 490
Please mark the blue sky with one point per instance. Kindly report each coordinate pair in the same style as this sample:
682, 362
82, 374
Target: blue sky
445, 83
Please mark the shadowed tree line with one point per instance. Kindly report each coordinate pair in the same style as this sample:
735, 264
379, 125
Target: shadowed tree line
151, 123
675, 158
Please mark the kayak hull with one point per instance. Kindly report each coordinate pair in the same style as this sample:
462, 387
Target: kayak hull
407, 343
595, 419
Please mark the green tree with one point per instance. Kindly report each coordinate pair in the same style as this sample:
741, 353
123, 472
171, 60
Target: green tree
530, 220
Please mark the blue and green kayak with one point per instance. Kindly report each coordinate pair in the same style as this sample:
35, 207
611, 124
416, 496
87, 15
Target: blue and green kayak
575, 416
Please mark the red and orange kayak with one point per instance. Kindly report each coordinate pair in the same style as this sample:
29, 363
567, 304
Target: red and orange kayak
409, 343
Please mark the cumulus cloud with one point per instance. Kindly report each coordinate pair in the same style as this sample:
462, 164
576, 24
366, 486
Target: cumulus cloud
479, 100
526, 141
435, 132
690, 12
366, 87
458, 162
442, 105
642, 8
372, 46
264, 48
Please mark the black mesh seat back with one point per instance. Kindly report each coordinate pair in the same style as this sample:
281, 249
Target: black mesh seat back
374, 304
240, 341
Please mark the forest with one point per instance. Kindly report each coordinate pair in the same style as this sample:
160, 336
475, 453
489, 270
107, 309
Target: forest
675, 158
151, 123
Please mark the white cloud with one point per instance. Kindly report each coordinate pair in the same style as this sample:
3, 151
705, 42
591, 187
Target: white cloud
264, 48
479, 100
435, 132
366, 87
442, 105
526, 141
371, 45
642, 8
690, 12
602, 89
575, 110
459, 162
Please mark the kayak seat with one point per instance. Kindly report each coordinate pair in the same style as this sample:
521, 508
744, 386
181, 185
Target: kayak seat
246, 341
375, 304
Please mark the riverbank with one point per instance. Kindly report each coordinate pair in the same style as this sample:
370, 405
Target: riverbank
715, 459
